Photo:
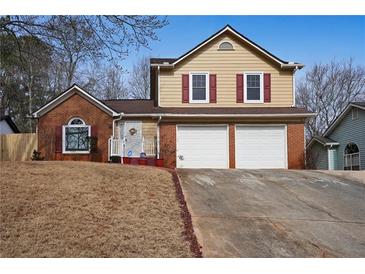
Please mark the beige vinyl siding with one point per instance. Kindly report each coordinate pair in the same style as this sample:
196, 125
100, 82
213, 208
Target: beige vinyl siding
226, 64
149, 127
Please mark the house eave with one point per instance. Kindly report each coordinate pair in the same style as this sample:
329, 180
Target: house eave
295, 115
65, 95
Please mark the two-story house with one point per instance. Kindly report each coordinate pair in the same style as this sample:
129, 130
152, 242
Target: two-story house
227, 103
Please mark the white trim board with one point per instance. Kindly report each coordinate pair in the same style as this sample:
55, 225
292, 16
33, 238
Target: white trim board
67, 94
228, 28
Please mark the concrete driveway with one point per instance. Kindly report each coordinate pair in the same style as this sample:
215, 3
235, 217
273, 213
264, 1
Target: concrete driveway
276, 213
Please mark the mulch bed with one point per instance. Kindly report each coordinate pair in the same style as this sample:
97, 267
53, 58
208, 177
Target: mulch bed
188, 233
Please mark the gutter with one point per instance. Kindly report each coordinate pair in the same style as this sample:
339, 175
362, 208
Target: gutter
294, 88
221, 115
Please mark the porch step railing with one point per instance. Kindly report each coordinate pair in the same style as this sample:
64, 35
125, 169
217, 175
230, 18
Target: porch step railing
114, 147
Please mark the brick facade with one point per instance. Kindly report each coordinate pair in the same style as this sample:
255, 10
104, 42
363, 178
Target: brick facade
75, 106
296, 146
232, 146
168, 144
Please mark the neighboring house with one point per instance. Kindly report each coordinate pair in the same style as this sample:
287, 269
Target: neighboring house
7, 126
342, 146
227, 103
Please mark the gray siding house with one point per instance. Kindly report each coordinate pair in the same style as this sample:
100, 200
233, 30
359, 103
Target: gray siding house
342, 146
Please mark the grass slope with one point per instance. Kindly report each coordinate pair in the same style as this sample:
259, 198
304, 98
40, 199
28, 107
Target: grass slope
77, 209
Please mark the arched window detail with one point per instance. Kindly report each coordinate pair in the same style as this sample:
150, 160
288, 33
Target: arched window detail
76, 136
76, 121
351, 157
225, 45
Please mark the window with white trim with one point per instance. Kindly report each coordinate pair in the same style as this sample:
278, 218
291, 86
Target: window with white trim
351, 157
199, 88
254, 91
76, 136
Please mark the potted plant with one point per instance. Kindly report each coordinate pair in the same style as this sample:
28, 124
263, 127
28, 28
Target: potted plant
142, 159
165, 150
126, 160
159, 162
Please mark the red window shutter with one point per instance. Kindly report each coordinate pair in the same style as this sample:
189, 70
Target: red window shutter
213, 88
58, 139
239, 88
94, 140
185, 88
94, 131
267, 87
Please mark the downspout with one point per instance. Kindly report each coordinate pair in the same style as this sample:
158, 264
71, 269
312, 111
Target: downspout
158, 137
113, 135
158, 86
294, 93
116, 120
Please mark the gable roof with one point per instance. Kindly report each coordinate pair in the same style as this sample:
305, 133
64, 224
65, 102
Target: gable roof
67, 94
334, 124
323, 141
10, 122
173, 61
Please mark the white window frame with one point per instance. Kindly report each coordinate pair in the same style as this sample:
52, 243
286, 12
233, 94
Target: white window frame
191, 88
64, 151
350, 156
261, 101
354, 114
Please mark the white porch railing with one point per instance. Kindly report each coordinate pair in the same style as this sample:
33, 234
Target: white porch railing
149, 146
115, 147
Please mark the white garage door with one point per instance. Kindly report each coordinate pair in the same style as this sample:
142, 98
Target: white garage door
261, 147
202, 146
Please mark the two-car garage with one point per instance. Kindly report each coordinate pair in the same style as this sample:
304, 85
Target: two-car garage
255, 146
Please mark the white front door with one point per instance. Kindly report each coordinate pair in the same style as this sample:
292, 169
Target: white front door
261, 146
202, 146
132, 138
331, 159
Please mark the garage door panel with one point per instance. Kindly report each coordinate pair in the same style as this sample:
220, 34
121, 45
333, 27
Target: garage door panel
202, 147
260, 147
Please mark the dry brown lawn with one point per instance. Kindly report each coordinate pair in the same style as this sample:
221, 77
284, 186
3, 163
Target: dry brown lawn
77, 209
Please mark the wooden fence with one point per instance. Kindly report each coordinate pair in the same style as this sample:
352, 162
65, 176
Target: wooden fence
17, 147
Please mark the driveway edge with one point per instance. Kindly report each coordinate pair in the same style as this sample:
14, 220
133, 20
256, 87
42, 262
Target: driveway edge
188, 233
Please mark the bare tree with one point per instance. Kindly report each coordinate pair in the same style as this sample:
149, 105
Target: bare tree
106, 82
77, 39
139, 80
327, 89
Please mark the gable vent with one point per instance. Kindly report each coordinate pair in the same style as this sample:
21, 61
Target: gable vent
225, 46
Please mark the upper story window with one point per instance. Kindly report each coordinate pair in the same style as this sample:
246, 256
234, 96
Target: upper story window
254, 87
225, 46
199, 87
76, 135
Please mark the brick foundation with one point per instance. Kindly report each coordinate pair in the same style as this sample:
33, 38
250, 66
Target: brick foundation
75, 106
